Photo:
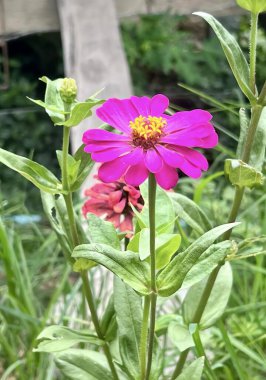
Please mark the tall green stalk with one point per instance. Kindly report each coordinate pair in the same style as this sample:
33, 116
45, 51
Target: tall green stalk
256, 111
252, 51
153, 295
144, 337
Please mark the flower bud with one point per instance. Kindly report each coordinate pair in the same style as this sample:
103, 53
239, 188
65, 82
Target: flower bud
68, 90
254, 6
241, 174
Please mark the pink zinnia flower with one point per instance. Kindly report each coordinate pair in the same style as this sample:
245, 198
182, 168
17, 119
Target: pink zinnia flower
151, 141
112, 201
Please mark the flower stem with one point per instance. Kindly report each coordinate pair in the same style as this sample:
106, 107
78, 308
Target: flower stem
144, 337
254, 121
180, 364
76, 241
95, 320
201, 352
252, 51
153, 295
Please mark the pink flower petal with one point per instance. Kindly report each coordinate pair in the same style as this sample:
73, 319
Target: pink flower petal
142, 105
119, 207
167, 178
127, 224
190, 170
118, 113
136, 174
159, 103
153, 161
176, 160
186, 119
209, 142
102, 135
193, 156
98, 146
111, 171
110, 154
115, 197
170, 156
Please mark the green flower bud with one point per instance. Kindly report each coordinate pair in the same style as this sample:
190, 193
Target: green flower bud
254, 6
241, 174
68, 90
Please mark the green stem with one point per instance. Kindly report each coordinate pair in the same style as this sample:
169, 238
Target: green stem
152, 200
71, 218
180, 364
153, 295
201, 352
254, 121
66, 137
206, 294
144, 336
95, 320
252, 52
239, 193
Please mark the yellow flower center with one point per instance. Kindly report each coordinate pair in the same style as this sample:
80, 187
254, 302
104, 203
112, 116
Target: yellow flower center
146, 131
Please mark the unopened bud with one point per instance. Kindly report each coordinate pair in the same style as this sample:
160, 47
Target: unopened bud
68, 90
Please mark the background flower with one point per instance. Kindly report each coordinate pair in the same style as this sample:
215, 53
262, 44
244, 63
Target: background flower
151, 141
113, 200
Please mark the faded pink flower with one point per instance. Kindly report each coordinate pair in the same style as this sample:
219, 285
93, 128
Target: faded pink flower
151, 141
112, 201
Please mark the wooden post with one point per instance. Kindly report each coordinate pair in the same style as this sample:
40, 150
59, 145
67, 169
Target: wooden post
93, 54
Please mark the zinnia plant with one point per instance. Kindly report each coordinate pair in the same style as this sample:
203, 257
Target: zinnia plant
170, 243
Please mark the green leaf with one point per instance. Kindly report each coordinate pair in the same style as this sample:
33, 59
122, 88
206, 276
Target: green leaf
108, 321
254, 6
193, 371
163, 321
47, 106
164, 213
241, 174
32, 171
207, 262
217, 301
79, 112
201, 185
244, 124
144, 244
77, 364
180, 336
72, 166
257, 155
233, 53
53, 99
191, 213
53, 210
101, 231
125, 265
170, 279
59, 338
85, 167
129, 319
166, 245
